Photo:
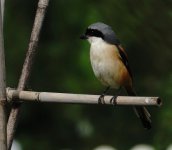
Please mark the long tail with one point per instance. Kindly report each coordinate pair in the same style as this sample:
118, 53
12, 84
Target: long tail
141, 111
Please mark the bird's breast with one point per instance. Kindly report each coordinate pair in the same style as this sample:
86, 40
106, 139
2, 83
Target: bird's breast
105, 64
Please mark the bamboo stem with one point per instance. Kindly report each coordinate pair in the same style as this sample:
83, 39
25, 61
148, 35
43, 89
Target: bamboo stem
30, 96
2, 10
3, 132
26, 71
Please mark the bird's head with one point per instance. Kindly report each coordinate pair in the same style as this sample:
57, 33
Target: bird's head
99, 31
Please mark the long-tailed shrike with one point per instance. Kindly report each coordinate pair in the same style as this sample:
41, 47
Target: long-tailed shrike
110, 64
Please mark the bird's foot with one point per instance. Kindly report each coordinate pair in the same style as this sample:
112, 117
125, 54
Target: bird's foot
101, 99
113, 100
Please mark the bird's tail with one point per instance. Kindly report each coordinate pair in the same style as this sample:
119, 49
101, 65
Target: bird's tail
141, 111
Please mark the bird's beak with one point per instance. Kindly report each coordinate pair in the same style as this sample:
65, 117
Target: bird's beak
83, 37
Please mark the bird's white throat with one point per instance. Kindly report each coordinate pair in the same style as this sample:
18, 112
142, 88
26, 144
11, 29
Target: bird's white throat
95, 40
97, 43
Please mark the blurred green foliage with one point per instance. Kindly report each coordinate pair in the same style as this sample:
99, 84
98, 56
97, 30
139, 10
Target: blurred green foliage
62, 65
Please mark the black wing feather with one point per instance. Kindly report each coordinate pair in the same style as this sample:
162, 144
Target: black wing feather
124, 59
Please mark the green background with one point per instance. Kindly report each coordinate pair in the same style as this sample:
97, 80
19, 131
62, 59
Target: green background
62, 65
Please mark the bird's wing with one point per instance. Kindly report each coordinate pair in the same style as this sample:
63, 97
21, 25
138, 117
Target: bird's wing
124, 59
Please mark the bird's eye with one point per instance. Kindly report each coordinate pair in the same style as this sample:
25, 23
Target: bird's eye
92, 32
89, 32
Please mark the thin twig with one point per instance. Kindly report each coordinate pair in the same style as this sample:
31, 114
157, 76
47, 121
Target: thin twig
31, 96
26, 71
3, 132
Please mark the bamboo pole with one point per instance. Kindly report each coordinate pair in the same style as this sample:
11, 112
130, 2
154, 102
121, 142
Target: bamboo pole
30, 96
2, 10
26, 71
3, 132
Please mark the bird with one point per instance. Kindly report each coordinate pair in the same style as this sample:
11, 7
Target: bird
110, 65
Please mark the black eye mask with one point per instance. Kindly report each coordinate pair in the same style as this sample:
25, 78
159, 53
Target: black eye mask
94, 32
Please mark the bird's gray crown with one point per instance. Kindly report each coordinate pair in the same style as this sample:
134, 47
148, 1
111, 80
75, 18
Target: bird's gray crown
107, 32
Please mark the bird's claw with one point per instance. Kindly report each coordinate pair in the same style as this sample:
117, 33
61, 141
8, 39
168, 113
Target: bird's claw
101, 99
113, 100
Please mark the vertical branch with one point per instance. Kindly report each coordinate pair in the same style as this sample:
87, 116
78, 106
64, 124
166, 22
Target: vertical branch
3, 133
14, 114
2, 10
33, 44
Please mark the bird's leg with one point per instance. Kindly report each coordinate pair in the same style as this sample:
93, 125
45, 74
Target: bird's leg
101, 98
113, 99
